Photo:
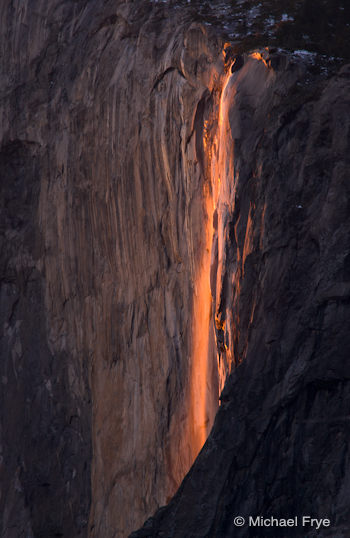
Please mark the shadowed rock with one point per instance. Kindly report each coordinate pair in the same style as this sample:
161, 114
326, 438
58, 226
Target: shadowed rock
237, 64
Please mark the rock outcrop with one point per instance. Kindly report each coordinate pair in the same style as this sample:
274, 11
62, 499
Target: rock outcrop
159, 233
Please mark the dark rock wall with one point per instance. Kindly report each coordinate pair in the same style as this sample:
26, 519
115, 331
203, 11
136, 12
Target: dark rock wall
102, 238
45, 399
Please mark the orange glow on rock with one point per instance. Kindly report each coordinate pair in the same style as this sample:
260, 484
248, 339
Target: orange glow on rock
214, 329
258, 56
222, 178
219, 156
202, 415
215, 325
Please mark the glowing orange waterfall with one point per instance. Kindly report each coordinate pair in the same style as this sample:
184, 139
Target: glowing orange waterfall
202, 414
223, 182
203, 402
214, 324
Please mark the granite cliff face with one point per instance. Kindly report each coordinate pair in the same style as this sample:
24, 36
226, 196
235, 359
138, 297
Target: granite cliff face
102, 241
168, 218
280, 440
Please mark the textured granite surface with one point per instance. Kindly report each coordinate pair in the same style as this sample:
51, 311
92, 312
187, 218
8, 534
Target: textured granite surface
109, 120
